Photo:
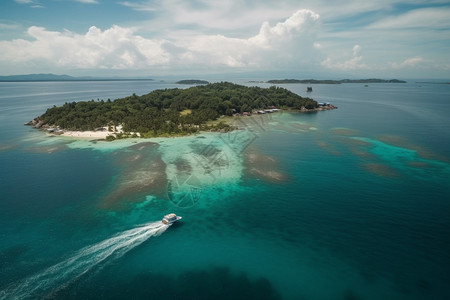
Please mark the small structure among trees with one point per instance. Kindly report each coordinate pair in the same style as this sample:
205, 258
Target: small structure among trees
164, 112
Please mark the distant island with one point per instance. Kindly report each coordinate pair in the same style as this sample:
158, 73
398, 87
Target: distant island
171, 112
192, 81
327, 81
432, 82
54, 77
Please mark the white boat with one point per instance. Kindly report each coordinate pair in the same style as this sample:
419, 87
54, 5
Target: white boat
170, 218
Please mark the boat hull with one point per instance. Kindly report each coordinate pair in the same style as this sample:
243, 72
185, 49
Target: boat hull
170, 219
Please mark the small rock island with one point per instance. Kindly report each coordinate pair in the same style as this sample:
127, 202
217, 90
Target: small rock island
172, 112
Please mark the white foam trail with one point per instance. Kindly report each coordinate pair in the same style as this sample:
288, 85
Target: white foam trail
65, 272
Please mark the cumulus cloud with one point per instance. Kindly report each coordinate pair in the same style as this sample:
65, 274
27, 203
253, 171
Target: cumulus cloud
354, 63
285, 43
114, 48
250, 35
410, 62
301, 21
206, 15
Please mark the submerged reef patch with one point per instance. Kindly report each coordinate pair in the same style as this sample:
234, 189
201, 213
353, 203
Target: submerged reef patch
263, 167
381, 170
142, 173
215, 283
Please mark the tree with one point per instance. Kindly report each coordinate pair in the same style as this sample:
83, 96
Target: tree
158, 112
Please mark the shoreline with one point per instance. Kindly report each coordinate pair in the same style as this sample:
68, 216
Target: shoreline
104, 134
90, 135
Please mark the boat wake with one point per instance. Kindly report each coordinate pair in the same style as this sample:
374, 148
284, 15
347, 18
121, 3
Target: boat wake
57, 277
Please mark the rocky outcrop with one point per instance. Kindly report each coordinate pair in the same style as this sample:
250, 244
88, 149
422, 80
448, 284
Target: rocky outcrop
37, 123
326, 107
319, 108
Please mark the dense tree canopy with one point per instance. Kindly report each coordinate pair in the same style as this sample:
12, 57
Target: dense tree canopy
172, 111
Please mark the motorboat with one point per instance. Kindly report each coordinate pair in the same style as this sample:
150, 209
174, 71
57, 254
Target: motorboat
170, 218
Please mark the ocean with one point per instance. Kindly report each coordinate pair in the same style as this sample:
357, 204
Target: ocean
351, 203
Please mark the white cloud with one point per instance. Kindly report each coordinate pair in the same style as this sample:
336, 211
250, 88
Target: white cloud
356, 49
322, 42
114, 48
284, 44
233, 18
249, 35
354, 63
410, 62
30, 3
301, 21
436, 18
281, 45
87, 1
8, 26
138, 6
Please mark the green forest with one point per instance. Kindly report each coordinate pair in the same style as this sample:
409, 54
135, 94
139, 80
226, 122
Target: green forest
172, 111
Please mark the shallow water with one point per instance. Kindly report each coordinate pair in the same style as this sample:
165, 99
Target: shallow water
342, 204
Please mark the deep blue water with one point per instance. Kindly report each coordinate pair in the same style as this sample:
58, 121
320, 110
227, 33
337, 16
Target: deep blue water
358, 207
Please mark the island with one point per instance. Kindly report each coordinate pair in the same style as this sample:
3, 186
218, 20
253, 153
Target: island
172, 112
192, 81
328, 81
54, 77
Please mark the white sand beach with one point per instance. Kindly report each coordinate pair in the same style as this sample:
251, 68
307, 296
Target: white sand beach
91, 135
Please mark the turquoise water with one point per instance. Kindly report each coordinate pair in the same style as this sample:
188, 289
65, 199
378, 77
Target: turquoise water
344, 204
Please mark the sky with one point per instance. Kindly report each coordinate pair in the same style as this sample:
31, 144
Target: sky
329, 39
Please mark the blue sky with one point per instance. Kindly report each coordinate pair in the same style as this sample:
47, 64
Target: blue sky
295, 38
